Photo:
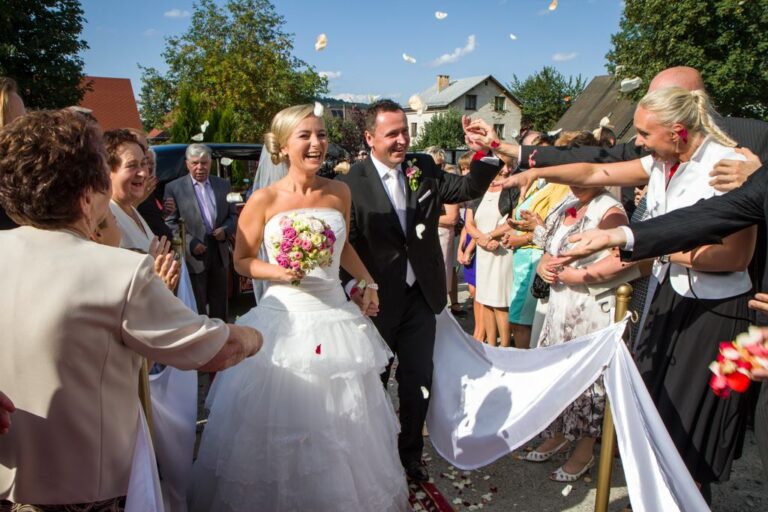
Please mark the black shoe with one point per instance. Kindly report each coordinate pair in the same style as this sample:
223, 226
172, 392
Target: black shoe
458, 312
416, 471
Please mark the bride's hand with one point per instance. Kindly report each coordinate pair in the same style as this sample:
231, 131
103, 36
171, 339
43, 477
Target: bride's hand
370, 304
287, 275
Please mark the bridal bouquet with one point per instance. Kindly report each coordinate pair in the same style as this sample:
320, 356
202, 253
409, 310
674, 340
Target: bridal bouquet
305, 243
734, 364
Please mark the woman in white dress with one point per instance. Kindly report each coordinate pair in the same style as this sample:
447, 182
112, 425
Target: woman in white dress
486, 223
306, 425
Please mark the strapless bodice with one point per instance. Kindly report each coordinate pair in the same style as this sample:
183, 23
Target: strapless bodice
320, 288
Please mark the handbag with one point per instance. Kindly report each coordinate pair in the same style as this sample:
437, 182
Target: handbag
539, 288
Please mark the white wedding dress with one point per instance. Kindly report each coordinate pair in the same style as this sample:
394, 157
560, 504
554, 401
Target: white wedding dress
305, 424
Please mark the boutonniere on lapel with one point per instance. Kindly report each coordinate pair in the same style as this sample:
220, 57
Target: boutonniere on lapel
413, 174
572, 212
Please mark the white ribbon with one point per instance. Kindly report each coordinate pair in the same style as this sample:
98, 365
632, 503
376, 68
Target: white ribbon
487, 401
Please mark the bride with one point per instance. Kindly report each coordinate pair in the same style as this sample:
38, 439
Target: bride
305, 424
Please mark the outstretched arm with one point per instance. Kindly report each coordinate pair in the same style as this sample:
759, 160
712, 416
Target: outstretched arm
622, 174
705, 222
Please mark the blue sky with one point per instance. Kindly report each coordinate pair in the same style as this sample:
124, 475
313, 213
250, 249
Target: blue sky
367, 39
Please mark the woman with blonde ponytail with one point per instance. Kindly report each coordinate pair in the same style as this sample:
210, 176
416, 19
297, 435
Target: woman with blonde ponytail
700, 296
306, 424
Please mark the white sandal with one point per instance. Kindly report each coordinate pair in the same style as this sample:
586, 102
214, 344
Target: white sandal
561, 475
537, 456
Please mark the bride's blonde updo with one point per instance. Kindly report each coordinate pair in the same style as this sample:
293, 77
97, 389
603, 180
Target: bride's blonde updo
283, 125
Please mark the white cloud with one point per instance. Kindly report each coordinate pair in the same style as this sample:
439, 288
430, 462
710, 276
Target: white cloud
456, 54
151, 32
177, 13
330, 75
562, 57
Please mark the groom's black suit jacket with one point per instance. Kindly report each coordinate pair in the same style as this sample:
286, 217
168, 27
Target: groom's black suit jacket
378, 238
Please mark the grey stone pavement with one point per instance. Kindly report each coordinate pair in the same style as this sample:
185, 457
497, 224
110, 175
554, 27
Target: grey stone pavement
511, 484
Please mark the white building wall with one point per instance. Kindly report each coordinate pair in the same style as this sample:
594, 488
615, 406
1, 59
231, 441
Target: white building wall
486, 94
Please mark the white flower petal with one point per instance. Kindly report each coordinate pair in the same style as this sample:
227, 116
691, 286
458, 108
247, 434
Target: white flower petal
424, 392
407, 58
605, 121
321, 43
566, 490
553, 5
441, 15
420, 230
458, 501
630, 84
198, 137
417, 104
226, 161
319, 109
513, 37
204, 126
619, 70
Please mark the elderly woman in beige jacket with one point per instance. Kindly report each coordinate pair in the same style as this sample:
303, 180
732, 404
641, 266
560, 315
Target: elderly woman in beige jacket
77, 317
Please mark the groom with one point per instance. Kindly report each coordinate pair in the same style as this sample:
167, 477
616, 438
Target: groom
393, 227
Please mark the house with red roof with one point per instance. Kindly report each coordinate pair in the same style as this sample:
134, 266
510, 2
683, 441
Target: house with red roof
111, 102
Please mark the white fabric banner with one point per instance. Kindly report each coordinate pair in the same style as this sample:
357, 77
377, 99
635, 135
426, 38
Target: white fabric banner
486, 402
173, 393
144, 485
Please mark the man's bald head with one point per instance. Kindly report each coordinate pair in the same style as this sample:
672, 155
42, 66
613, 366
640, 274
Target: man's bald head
680, 76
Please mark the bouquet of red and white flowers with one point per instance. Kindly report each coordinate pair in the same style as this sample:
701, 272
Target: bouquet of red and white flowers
737, 359
305, 243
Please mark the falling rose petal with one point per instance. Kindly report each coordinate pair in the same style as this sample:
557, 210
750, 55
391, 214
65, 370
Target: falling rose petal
204, 126
553, 5
318, 349
321, 43
566, 490
619, 70
441, 15
605, 121
513, 37
198, 138
226, 161
420, 230
457, 501
630, 84
417, 104
319, 109
407, 58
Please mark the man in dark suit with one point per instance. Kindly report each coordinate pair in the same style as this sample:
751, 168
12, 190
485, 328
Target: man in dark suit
201, 200
393, 226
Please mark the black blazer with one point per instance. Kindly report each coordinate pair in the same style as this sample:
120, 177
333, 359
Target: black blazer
378, 238
703, 223
748, 133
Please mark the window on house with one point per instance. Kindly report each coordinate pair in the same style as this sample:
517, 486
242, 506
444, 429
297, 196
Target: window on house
498, 104
499, 129
470, 102
414, 129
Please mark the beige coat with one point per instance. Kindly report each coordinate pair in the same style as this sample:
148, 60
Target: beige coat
75, 318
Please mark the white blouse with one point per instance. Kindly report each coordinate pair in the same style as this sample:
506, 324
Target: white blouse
689, 185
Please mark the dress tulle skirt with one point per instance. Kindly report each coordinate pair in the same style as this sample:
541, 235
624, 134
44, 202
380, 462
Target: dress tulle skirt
305, 424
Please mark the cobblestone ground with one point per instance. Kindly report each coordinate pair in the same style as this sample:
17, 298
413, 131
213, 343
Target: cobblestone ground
510, 484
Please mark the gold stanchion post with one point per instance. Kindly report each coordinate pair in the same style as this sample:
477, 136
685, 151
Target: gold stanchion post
608, 443
144, 398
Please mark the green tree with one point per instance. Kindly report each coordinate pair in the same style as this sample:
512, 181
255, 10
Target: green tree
40, 46
348, 132
443, 130
237, 56
156, 98
726, 40
545, 96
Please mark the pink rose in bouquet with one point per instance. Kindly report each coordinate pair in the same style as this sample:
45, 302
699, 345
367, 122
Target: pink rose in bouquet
305, 243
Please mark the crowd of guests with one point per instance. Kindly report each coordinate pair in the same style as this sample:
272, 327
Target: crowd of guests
507, 244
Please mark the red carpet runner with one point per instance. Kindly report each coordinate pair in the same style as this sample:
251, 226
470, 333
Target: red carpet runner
426, 496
